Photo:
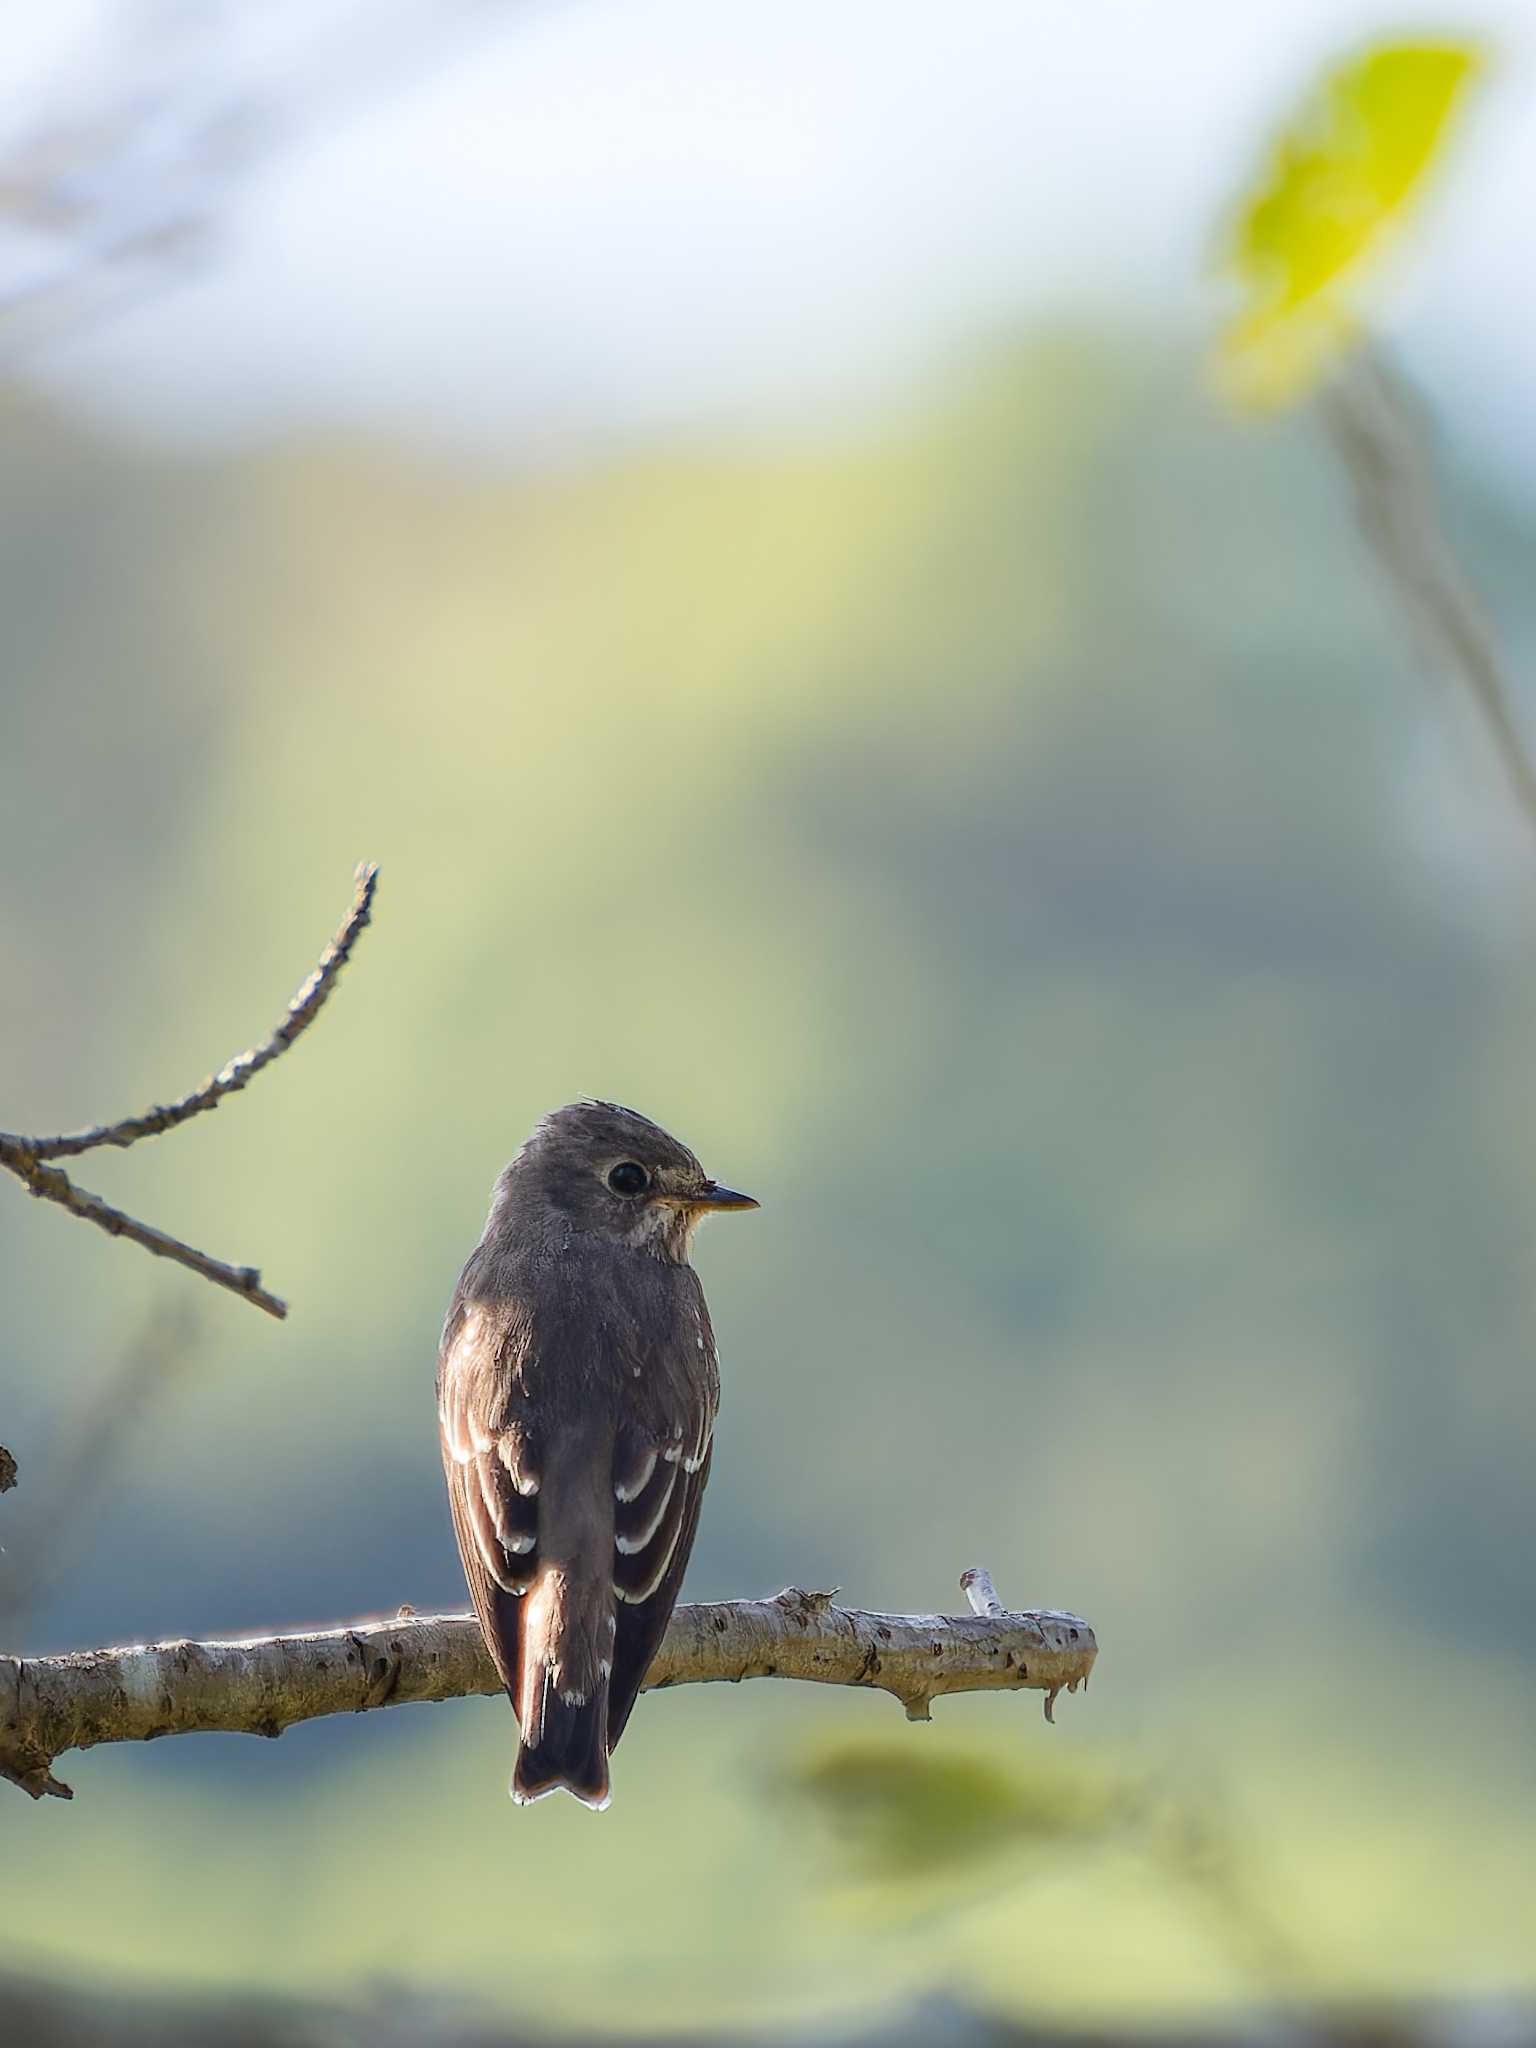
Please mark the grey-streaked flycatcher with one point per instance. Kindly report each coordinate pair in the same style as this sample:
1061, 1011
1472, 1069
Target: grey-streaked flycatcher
577, 1390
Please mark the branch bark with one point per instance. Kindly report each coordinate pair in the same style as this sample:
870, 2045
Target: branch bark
262, 1685
30, 1158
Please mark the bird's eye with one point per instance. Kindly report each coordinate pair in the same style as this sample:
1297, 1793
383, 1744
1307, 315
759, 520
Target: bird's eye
629, 1179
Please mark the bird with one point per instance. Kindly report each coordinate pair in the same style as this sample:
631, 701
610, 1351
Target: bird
577, 1390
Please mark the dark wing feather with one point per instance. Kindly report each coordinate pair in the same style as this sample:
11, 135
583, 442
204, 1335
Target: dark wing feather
642, 1624
492, 1477
660, 1466
645, 1528
495, 1610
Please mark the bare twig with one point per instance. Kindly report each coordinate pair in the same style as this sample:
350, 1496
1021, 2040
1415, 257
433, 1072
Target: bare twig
262, 1685
303, 1008
119, 188
976, 1584
57, 1520
28, 1158
54, 1185
1370, 418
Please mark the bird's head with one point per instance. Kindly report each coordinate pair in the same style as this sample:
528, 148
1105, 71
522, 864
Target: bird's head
610, 1172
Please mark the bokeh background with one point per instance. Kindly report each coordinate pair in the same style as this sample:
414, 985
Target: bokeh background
728, 507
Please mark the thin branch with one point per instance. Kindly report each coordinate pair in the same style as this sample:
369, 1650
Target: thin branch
262, 1685
119, 188
28, 1158
1370, 418
304, 1005
59, 1516
53, 1185
976, 1584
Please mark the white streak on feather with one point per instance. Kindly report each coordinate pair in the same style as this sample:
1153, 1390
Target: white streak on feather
630, 1546
465, 1439
643, 1593
515, 1542
633, 1488
512, 1450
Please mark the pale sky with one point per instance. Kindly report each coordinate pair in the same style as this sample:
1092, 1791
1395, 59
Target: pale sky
599, 217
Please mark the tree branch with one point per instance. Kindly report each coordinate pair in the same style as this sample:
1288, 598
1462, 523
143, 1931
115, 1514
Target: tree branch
55, 1526
304, 1005
262, 1685
117, 186
1369, 417
28, 1158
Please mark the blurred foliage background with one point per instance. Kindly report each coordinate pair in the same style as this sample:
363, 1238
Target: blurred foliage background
1003, 829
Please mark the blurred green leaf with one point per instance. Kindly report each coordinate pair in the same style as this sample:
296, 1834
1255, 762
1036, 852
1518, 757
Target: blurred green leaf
903, 1810
1339, 184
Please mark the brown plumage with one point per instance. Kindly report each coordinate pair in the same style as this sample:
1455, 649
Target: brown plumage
577, 1390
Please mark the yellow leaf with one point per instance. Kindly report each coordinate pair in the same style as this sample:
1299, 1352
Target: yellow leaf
1339, 185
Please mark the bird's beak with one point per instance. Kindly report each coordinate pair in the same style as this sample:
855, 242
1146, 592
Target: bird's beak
710, 1196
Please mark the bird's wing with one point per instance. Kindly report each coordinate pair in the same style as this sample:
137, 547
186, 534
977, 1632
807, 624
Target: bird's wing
660, 1467
491, 1461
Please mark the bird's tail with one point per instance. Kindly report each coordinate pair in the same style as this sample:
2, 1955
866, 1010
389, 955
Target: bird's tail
569, 1751
562, 1703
